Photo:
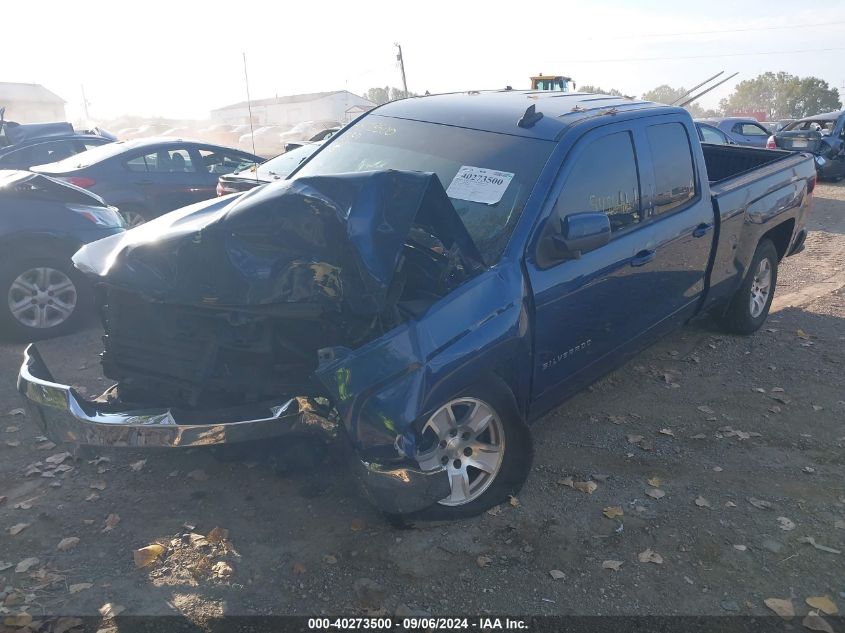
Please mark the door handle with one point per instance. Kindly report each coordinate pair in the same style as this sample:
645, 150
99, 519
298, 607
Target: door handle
643, 257
702, 229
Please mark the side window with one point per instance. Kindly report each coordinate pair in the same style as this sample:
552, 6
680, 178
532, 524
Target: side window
750, 129
162, 161
604, 179
709, 135
41, 153
671, 156
217, 162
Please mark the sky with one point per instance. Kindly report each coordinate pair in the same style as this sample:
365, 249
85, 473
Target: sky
183, 58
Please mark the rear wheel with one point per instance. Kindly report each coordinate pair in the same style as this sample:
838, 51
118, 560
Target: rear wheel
40, 296
750, 305
482, 443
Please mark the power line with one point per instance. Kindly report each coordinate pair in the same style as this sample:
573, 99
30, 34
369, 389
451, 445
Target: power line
719, 31
652, 59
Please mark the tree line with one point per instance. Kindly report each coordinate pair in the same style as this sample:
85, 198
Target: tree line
778, 95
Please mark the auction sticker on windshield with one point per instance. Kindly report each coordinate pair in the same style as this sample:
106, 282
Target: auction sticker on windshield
476, 184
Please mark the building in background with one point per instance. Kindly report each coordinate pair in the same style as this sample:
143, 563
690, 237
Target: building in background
338, 105
30, 103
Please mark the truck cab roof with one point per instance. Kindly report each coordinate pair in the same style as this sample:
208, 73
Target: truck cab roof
501, 110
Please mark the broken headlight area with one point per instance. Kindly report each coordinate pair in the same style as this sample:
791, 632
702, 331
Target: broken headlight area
227, 303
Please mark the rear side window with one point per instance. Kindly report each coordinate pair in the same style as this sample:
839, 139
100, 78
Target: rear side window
671, 157
604, 179
711, 135
749, 129
162, 161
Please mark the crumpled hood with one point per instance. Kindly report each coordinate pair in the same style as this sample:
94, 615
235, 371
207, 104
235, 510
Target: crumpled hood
323, 240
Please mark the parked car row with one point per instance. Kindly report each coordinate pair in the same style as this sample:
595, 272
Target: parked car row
823, 135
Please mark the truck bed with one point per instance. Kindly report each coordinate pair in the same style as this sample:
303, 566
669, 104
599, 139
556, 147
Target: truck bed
728, 161
752, 190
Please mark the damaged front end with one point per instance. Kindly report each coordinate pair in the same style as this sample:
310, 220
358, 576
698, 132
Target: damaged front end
242, 304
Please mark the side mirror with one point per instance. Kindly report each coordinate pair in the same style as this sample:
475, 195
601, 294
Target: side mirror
581, 233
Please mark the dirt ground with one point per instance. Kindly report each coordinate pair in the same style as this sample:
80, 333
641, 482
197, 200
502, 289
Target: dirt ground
745, 435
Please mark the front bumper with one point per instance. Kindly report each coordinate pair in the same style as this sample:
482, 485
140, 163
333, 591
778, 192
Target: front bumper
64, 415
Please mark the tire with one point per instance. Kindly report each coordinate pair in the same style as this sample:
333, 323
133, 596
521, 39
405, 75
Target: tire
506, 430
749, 307
60, 292
133, 216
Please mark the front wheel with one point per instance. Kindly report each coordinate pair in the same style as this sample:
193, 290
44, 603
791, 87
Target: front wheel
479, 439
750, 305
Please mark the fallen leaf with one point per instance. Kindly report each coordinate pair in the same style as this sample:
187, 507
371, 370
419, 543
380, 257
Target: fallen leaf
612, 564
556, 574
782, 607
99, 460
16, 412
566, 481
4, 565
25, 565
92, 497
13, 443
655, 493
654, 482
823, 604
817, 407
706, 409
330, 559
495, 511
146, 556
18, 528
222, 569
815, 622
809, 540
611, 512
67, 543
668, 432
197, 540
217, 535
111, 522
701, 502
111, 610
740, 548
58, 458
802, 334
136, 466
65, 624
650, 556
759, 503
98, 485
634, 439
357, 525
785, 524
483, 561
298, 569
46, 446
18, 620
513, 501
587, 487
198, 475
730, 504
81, 586
698, 436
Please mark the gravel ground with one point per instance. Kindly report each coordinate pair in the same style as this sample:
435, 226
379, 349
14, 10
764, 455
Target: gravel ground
742, 438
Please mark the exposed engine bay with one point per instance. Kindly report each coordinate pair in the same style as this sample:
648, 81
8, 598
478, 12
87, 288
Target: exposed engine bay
229, 302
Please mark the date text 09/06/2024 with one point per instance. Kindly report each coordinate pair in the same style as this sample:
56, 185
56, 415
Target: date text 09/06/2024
417, 623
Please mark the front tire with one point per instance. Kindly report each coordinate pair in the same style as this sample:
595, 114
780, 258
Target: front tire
481, 441
40, 296
749, 307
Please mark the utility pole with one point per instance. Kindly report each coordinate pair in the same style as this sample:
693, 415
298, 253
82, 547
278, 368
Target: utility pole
401, 61
84, 103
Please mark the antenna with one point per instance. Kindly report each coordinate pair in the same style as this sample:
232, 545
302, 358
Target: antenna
401, 61
249, 106
84, 104
704, 92
696, 87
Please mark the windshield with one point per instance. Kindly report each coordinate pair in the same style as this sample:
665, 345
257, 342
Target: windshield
824, 126
491, 208
281, 166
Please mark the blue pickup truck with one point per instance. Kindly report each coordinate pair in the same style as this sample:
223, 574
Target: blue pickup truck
435, 277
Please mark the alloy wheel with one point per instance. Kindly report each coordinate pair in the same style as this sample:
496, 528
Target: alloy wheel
464, 437
761, 287
42, 298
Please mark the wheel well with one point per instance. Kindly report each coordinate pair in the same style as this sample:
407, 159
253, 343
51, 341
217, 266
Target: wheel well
780, 236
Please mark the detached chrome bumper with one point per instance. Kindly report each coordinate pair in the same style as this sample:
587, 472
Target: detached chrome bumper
64, 415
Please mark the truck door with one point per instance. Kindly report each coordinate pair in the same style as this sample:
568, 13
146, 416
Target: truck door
590, 312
